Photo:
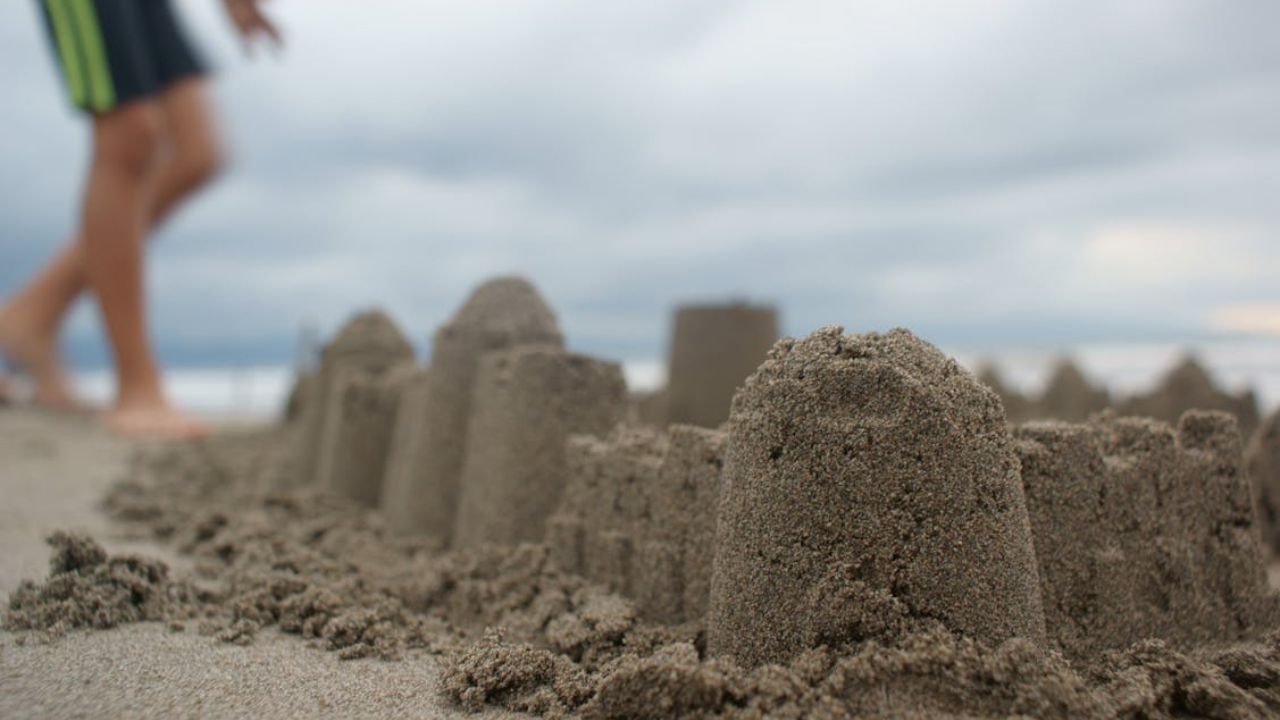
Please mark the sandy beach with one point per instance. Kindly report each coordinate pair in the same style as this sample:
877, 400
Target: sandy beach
500, 530
53, 474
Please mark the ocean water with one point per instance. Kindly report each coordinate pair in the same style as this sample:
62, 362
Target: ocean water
256, 393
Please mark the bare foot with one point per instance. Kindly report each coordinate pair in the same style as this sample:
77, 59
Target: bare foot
6, 394
39, 356
154, 421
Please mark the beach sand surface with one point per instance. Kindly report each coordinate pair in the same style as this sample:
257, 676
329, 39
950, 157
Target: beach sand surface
53, 473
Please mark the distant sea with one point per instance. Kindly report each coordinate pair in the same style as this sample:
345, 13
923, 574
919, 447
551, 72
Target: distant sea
258, 393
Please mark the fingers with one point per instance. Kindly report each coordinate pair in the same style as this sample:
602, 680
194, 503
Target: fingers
253, 25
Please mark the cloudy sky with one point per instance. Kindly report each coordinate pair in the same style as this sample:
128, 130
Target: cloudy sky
990, 174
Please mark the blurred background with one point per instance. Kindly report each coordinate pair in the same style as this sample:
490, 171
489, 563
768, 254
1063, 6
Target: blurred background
1010, 180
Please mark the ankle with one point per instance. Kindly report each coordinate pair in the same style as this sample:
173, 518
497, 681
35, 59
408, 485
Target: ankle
144, 397
16, 325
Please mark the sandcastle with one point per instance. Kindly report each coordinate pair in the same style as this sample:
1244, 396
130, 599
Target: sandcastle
358, 432
1069, 395
368, 344
639, 516
301, 395
421, 489
528, 401
1262, 458
713, 350
867, 477
1017, 407
1142, 531
1188, 386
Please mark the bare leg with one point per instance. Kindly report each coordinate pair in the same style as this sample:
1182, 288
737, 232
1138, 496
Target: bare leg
31, 320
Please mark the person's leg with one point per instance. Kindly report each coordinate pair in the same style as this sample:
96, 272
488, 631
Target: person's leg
31, 320
127, 142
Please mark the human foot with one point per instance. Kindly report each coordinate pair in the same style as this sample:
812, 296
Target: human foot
37, 354
154, 421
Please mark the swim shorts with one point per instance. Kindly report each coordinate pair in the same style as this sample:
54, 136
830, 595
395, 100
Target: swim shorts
114, 51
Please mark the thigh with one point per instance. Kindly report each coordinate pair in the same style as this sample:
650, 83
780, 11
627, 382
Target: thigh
190, 124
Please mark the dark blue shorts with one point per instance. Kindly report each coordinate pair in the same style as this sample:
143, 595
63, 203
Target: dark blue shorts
114, 51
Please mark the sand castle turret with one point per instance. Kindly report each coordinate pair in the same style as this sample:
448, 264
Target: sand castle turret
370, 344
1017, 408
528, 401
358, 432
639, 516
301, 395
1069, 395
713, 350
1142, 531
421, 493
1188, 386
869, 484
1262, 458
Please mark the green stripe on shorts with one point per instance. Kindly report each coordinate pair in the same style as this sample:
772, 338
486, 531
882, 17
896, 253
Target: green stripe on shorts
101, 89
68, 50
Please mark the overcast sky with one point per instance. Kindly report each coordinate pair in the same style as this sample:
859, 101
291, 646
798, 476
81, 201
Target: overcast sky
990, 174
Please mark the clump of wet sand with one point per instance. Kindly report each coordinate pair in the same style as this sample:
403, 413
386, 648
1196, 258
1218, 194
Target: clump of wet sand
88, 589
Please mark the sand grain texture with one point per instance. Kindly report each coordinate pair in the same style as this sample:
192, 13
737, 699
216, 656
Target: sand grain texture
1262, 459
870, 488
1143, 531
528, 401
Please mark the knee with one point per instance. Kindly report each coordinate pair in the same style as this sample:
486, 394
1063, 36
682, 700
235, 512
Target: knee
195, 164
130, 138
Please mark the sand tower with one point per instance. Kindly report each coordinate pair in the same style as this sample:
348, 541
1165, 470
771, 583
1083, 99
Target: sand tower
639, 516
301, 395
528, 401
1069, 395
713, 350
368, 343
1017, 408
1142, 531
870, 485
358, 432
1263, 461
421, 493
1188, 386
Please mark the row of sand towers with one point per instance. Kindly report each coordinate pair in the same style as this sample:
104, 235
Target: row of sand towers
862, 486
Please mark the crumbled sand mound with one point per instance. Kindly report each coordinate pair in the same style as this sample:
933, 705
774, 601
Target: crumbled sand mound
1262, 459
88, 589
870, 489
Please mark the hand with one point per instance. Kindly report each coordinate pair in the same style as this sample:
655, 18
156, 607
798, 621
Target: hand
247, 16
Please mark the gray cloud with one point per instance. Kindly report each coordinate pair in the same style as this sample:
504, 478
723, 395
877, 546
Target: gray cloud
1010, 173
